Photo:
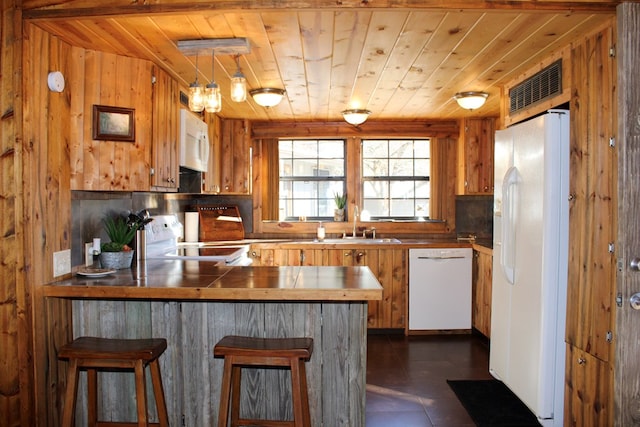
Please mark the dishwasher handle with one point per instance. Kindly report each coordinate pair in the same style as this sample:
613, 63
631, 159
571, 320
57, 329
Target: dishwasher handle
440, 257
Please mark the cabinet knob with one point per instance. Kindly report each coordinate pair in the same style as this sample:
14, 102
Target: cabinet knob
581, 360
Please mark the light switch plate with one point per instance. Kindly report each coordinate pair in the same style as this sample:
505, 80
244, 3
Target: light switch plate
61, 262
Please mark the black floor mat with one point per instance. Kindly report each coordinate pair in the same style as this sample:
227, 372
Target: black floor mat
491, 404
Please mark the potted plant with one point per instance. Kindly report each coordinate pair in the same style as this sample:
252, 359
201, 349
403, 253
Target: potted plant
340, 200
117, 253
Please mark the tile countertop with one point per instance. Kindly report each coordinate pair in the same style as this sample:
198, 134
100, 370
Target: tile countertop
205, 280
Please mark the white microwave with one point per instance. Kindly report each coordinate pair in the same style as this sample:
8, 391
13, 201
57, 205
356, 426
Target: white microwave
194, 141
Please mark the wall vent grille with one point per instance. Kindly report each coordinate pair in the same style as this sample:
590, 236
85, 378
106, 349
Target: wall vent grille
542, 85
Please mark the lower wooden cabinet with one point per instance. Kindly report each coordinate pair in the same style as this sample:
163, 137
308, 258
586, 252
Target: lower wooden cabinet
588, 397
481, 290
388, 265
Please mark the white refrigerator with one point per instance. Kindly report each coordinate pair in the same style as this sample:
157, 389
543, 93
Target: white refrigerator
530, 245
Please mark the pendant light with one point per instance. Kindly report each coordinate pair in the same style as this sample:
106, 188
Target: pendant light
238, 84
196, 93
212, 97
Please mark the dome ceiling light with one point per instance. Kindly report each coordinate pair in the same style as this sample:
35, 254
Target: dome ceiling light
267, 96
356, 116
471, 100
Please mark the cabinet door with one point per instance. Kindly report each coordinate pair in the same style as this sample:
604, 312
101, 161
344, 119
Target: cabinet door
481, 310
390, 267
235, 157
475, 156
164, 157
588, 398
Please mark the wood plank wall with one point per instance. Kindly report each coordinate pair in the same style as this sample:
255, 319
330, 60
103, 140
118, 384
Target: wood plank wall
14, 331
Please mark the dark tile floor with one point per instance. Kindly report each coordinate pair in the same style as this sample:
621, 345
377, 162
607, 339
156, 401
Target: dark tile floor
407, 378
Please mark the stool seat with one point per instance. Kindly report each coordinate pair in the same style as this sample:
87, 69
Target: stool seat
92, 353
239, 351
255, 347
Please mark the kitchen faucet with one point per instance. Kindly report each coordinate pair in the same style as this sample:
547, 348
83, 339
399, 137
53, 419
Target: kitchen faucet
355, 219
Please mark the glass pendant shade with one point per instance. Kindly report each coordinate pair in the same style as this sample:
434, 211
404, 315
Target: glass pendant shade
213, 99
238, 84
238, 87
196, 97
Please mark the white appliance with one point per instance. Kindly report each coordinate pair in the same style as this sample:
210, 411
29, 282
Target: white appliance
531, 229
439, 288
194, 142
162, 237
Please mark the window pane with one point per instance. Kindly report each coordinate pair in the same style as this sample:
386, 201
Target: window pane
401, 149
422, 167
310, 177
396, 178
375, 167
375, 148
376, 189
334, 167
402, 189
400, 167
305, 149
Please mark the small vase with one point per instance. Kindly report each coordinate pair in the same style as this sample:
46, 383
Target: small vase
116, 260
338, 215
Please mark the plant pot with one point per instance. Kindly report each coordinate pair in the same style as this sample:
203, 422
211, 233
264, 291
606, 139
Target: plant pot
338, 215
116, 260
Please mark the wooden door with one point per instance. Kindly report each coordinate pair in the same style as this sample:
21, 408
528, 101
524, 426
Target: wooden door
627, 367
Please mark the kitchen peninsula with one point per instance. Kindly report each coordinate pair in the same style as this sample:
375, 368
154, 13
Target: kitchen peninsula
194, 304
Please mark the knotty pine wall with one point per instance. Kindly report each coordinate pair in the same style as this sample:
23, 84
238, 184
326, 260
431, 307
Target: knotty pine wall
59, 156
14, 298
35, 201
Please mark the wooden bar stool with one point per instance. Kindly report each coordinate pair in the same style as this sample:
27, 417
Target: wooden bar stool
245, 351
92, 353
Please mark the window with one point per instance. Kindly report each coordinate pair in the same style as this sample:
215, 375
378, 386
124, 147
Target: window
396, 178
310, 173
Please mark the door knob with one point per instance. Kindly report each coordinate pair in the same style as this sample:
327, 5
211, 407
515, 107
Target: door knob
634, 301
635, 264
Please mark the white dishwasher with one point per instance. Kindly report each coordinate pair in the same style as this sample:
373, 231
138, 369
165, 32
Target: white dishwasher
440, 289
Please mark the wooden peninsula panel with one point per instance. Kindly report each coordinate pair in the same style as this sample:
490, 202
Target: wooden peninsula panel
194, 304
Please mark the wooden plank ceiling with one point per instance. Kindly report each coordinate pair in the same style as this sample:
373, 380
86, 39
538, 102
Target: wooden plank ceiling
400, 63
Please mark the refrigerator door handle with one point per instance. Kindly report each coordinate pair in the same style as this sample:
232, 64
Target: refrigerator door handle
507, 257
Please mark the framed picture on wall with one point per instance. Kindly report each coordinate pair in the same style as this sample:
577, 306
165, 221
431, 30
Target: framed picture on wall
113, 123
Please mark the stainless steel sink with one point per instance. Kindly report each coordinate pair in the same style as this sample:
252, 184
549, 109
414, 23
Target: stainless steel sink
359, 240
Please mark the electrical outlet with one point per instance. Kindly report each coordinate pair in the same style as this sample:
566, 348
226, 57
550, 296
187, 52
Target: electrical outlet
61, 262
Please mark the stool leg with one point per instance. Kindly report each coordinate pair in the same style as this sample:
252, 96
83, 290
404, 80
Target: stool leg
92, 397
70, 394
141, 394
225, 391
236, 379
299, 394
158, 392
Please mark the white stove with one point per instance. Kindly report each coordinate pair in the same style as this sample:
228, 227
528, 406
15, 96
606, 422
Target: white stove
162, 242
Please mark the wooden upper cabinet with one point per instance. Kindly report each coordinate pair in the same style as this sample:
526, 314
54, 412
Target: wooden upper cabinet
475, 156
114, 81
165, 131
234, 162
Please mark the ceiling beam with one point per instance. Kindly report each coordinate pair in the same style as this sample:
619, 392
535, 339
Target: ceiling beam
52, 9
